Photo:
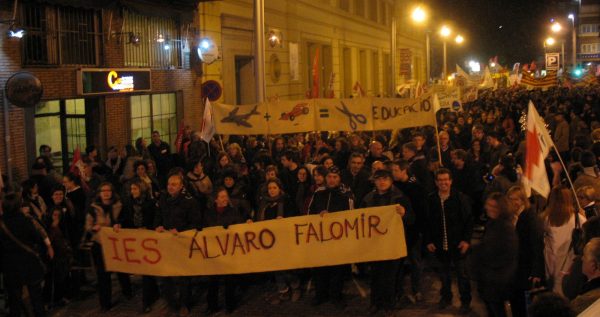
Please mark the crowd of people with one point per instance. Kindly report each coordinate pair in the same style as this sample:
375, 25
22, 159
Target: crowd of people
471, 183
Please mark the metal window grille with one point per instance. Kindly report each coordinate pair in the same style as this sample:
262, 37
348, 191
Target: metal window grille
60, 35
150, 52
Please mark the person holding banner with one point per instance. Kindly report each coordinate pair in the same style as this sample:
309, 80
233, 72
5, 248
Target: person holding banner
383, 273
222, 212
178, 211
276, 204
449, 236
139, 212
105, 211
333, 197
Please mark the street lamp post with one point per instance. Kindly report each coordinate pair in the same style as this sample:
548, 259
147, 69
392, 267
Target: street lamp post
574, 35
419, 16
445, 33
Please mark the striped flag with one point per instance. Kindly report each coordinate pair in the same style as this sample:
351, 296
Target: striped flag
529, 80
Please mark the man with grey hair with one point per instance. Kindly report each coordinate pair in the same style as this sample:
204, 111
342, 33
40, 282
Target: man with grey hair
590, 292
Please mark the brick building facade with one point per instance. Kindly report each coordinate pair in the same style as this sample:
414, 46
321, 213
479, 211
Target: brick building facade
109, 119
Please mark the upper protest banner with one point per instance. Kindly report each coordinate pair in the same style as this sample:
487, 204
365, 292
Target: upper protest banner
357, 114
354, 236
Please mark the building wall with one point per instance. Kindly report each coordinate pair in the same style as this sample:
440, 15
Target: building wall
61, 83
589, 14
329, 23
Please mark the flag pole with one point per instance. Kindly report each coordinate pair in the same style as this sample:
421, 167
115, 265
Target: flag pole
437, 136
562, 163
437, 132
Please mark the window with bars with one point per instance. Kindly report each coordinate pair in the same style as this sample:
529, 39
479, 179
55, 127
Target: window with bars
160, 43
154, 112
58, 35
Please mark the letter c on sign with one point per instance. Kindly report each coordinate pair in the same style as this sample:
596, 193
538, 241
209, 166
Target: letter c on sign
111, 76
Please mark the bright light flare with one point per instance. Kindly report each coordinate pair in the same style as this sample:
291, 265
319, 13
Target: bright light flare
445, 31
419, 15
550, 41
459, 39
556, 27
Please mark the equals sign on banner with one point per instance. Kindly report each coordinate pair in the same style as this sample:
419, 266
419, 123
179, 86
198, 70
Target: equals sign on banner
324, 113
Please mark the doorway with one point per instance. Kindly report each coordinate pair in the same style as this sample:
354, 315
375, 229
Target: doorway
245, 84
65, 125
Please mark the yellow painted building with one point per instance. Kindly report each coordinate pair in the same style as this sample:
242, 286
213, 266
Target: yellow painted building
351, 37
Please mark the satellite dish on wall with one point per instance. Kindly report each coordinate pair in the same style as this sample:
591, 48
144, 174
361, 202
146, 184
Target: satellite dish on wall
24, 90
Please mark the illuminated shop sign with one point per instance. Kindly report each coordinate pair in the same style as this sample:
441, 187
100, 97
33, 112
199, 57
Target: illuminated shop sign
96, 81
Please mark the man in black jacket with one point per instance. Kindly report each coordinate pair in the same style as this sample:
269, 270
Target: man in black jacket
418, 165
178, 211
356, 177
417, 195
449, 235
290, 161
161, 154
383, 273
334, 197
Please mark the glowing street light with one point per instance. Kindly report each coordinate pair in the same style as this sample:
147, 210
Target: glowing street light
459, 39
550, 41
556, 27
419, 15
445, 31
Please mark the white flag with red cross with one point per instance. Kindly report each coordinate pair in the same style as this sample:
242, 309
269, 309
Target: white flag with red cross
538, 144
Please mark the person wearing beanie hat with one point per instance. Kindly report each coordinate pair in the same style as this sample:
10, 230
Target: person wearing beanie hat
384, 273
333, 197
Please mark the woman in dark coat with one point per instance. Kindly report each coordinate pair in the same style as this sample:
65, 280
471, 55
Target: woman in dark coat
105, 211
139, 211
222, 212
304, 192
21, 264
494, 261
277, 205
530, 266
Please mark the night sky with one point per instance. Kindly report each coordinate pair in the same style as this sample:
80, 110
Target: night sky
513, 30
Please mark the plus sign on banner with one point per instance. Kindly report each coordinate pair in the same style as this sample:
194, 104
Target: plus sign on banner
552, 61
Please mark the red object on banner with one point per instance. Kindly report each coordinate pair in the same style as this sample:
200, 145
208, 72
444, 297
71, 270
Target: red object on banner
179, 138
315, 75
76, 162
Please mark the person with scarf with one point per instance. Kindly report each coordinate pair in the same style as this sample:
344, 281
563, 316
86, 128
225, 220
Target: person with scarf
222, 212
33, 200
383, 273
152, 184
198, 178
105, 211
333, 197
277, 205
139, 212
304, 192
55, 288
21, 264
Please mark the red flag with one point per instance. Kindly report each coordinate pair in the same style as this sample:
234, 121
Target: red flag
532, 67
179, 139
76, 163
315, 75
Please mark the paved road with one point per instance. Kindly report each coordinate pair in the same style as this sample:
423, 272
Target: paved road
253, 304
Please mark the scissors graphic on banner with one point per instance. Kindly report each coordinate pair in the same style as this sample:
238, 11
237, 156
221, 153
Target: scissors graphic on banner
354, 118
